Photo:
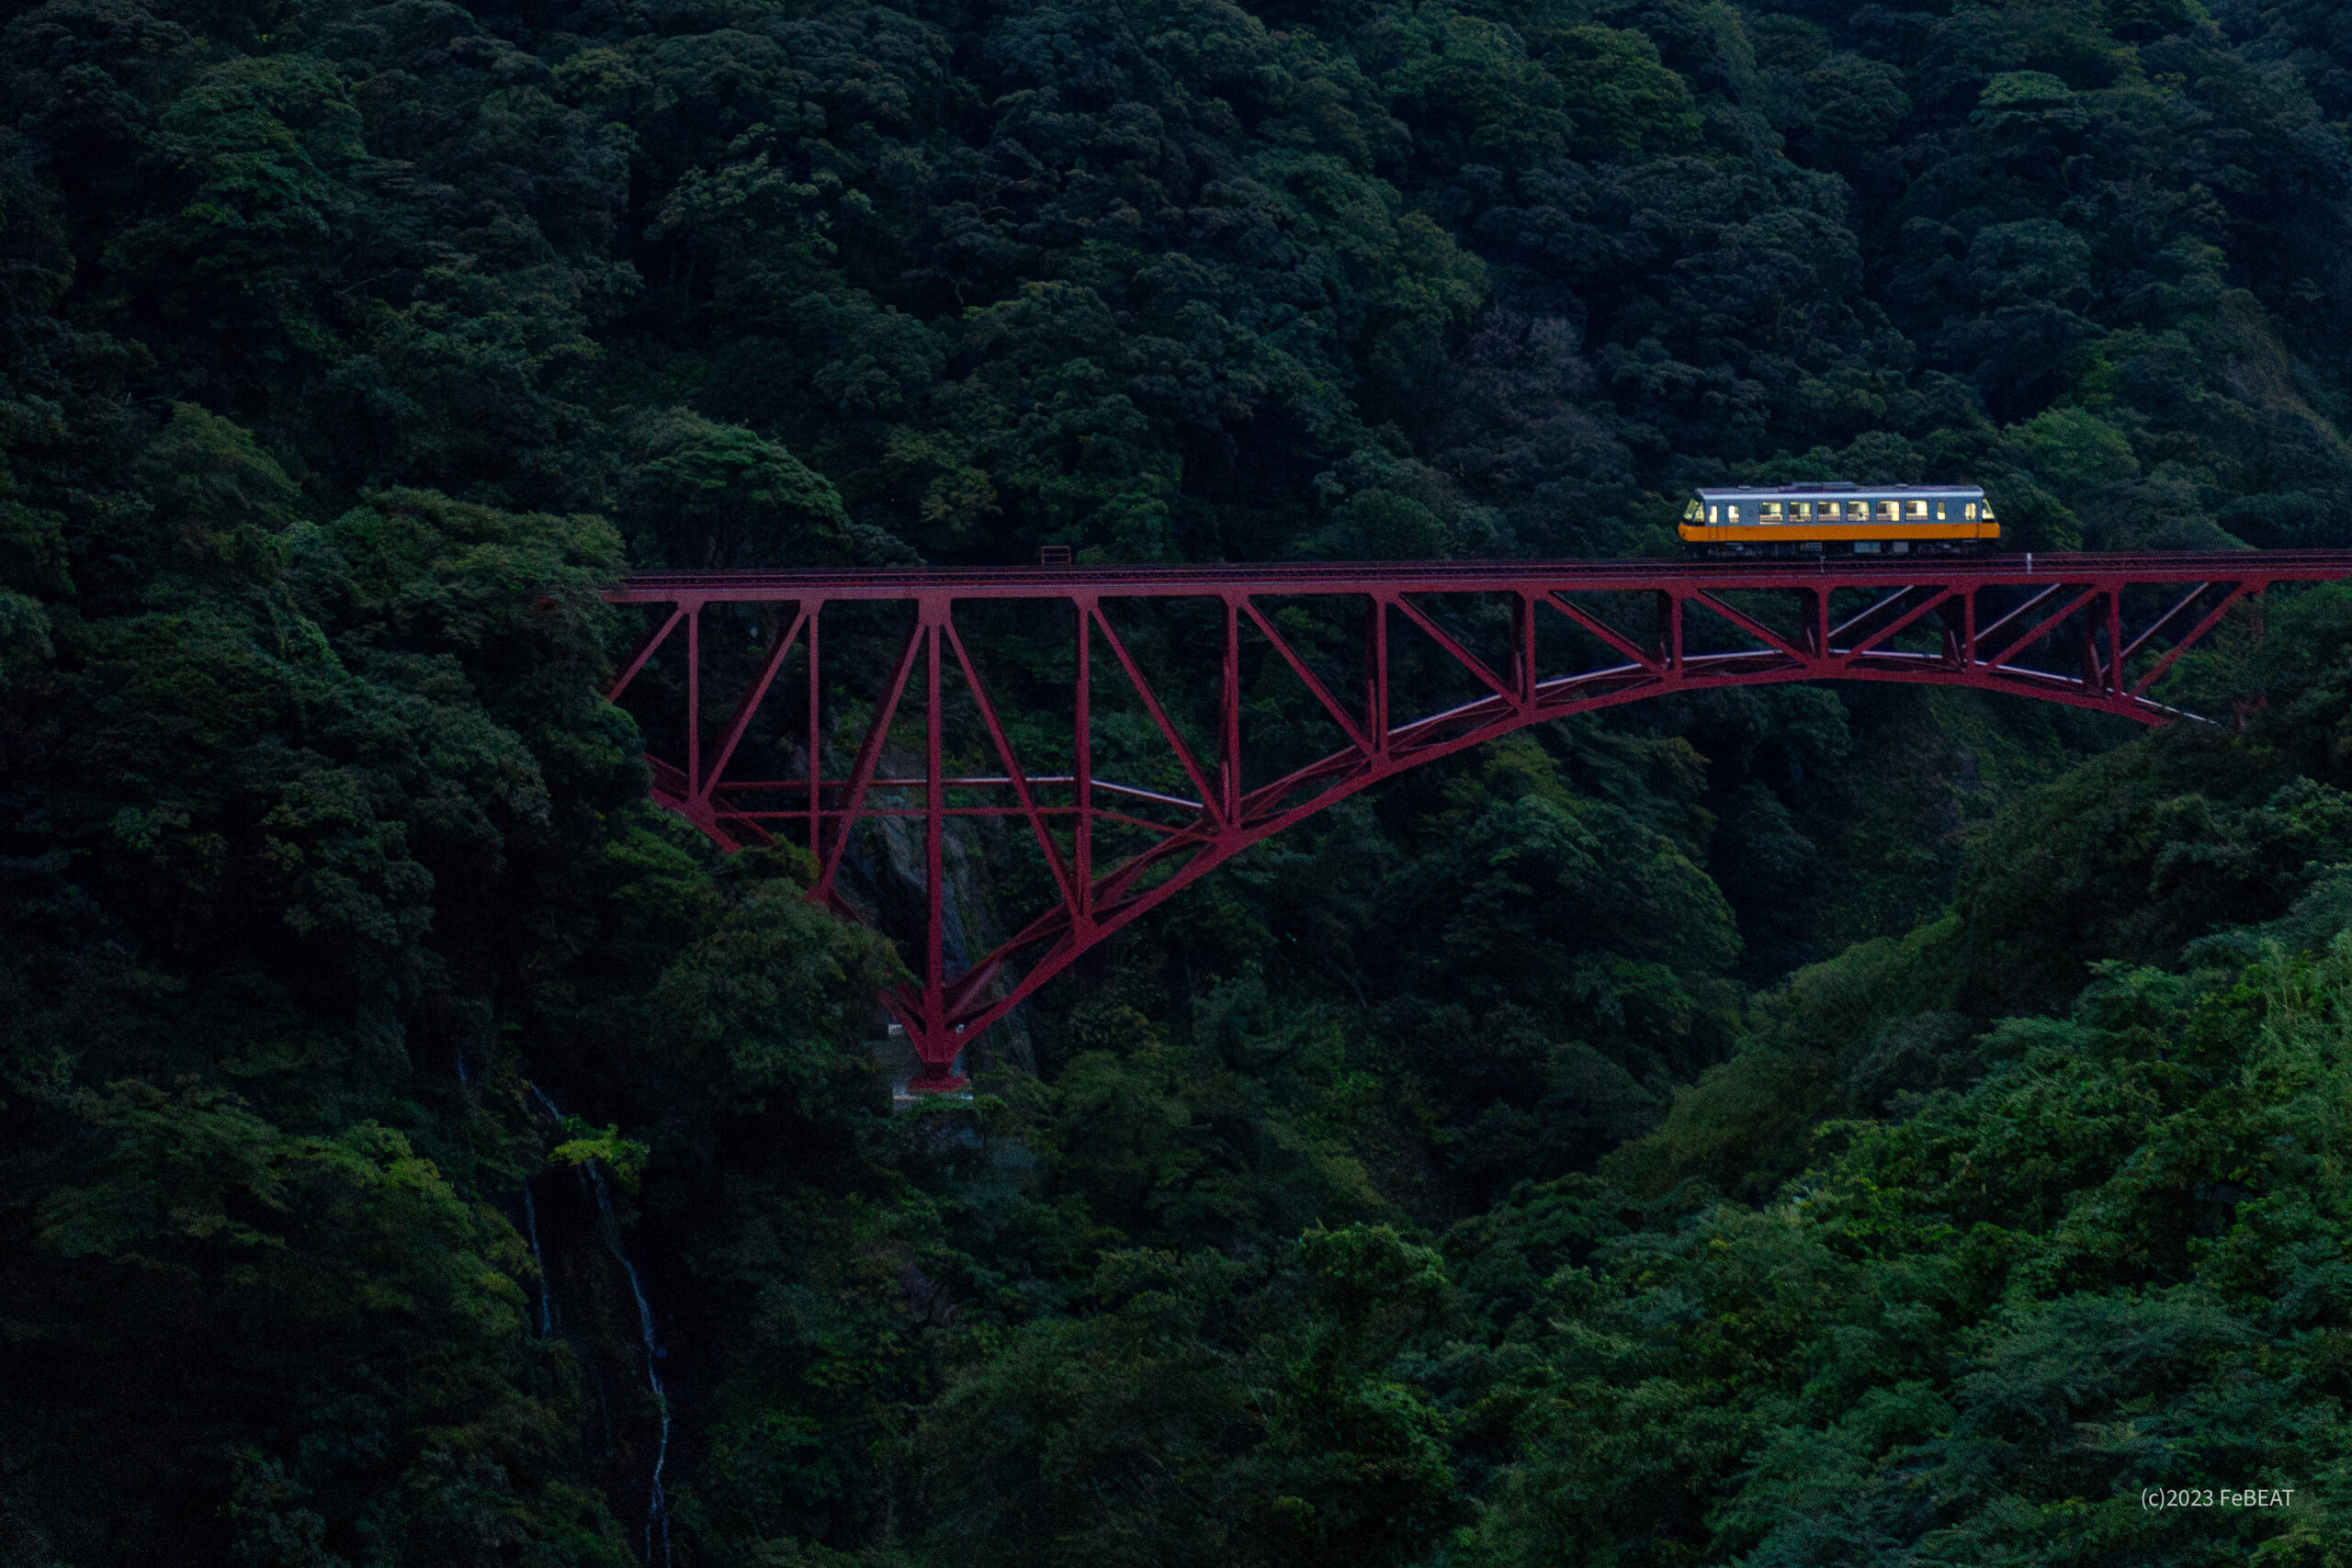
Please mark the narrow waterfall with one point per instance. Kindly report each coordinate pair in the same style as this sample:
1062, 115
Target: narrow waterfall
547, 1297
656, 1509
657, 1512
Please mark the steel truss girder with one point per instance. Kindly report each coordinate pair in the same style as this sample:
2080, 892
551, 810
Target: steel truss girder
1989, 615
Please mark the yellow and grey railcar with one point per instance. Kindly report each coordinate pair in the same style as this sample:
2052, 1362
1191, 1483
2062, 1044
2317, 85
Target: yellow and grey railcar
1839, 519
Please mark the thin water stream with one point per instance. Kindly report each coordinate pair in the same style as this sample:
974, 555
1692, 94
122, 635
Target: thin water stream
657, 1510
547, 1294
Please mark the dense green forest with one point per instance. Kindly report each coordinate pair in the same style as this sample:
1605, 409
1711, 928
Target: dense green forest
1797, 1126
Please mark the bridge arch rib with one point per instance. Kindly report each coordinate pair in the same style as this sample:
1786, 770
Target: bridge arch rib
2095, 632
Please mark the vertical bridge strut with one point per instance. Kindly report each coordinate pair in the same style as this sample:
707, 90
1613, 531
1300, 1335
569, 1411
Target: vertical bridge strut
1354, 672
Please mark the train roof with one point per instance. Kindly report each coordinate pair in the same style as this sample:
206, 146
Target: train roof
1830, 487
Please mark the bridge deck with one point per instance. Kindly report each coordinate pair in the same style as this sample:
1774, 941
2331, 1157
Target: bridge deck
1460, 577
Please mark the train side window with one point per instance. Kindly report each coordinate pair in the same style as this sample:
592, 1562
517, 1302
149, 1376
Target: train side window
1800, 511
1939, 511
1915, 511
1830, 509
1767, 511
1714, 514
1969, 511
1890, 512
1731, 513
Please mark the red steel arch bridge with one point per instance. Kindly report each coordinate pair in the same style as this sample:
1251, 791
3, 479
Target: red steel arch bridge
1135, 728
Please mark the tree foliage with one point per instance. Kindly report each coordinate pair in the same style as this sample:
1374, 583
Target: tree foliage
1790, 1126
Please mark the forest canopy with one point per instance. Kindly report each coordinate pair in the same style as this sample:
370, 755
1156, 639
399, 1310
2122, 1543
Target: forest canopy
1801, 1125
